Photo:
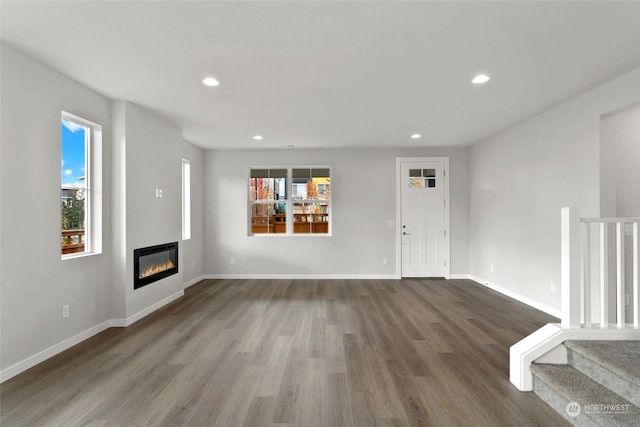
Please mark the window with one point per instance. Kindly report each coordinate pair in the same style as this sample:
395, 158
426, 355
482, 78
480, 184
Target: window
81, 182
290, 200
186, 199
422, 178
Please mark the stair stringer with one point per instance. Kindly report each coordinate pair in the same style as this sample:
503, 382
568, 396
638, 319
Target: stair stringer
546, 339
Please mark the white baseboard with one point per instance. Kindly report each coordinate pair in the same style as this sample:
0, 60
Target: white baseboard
45, 354
300, 276
32, 361
123, 323
549, 310
460, 276
194, 281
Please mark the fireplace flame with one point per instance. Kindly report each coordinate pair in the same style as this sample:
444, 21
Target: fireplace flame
157, 268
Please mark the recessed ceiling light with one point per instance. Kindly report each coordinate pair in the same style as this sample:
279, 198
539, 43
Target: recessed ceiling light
210, 81
480, 79
257, 137
416, 136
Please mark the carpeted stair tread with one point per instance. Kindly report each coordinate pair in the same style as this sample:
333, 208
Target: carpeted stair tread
614, 364
620, 357
563, 384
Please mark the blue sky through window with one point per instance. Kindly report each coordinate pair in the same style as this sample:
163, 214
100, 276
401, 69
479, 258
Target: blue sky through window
73, 166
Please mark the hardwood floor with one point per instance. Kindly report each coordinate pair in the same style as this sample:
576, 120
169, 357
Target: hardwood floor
295, 353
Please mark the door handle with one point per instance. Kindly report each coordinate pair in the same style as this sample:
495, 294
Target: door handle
404, 233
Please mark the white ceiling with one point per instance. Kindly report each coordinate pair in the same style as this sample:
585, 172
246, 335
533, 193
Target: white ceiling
331, 74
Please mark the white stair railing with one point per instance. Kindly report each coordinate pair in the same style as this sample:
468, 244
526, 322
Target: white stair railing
577, 244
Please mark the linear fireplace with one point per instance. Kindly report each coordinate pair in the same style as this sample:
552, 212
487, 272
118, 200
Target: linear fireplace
154, 263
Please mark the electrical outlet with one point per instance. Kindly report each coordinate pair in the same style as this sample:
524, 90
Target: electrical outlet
552, 287
232, 260
491, 267
65, 311
385, 261
626, 299
193, 264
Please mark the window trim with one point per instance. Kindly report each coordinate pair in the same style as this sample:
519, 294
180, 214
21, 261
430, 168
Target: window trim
289, 202
186, 199
93, 186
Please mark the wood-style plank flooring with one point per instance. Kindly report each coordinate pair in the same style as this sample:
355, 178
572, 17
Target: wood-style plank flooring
295, 353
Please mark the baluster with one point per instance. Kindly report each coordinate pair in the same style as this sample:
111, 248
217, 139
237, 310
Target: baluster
586, 278
620, 274
636, 278
604, 273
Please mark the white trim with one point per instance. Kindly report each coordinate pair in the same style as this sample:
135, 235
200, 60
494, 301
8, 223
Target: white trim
45, 354
48, 353
146, 311
300, 276
186, 199
93, 186
549, 310
546, 339
460, 276
193, 281
447, 225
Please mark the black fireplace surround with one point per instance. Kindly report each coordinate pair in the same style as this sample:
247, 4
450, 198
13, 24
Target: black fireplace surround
153, 263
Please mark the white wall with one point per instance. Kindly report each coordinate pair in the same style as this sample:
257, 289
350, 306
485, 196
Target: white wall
521, 178
152, 151
35, 282
363, 191
620, 153
193, 249
620, 186
140, 152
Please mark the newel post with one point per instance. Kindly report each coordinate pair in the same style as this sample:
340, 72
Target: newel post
570, 267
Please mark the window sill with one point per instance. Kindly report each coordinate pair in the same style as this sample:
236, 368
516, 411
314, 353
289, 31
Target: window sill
290, 235
79, 255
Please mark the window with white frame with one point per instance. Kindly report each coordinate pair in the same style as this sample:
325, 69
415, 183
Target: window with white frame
186, 199
291, 200
81, 182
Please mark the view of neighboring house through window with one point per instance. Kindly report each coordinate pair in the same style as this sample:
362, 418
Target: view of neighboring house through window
305, 211
311, 200
186, 199
76, 189
268, 200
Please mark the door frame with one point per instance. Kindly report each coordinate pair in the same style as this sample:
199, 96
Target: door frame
447, 228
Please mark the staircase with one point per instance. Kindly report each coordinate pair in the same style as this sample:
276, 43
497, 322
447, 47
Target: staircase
600, 385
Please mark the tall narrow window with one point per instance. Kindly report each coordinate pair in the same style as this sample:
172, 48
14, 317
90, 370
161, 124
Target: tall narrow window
311, 195
80, 177
268, 201
186, 199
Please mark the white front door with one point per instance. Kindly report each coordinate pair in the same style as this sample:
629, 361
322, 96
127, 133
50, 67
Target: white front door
423, 203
